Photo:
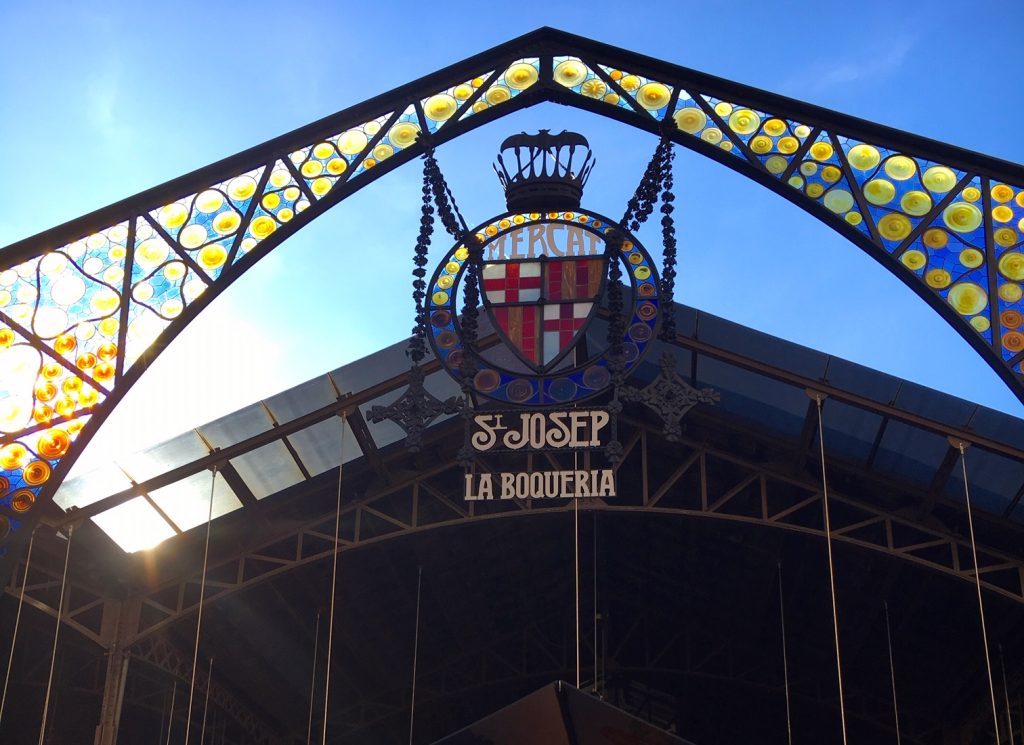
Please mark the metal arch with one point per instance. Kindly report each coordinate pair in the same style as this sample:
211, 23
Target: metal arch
265, 194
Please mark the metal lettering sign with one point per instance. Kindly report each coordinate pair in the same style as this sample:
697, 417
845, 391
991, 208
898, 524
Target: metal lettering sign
512, 431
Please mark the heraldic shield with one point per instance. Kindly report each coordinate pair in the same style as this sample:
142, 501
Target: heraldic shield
542, 306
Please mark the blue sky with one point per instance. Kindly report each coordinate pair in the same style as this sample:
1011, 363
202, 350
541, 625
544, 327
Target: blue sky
103, 100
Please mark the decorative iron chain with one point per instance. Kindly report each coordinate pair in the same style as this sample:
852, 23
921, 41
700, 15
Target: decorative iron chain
417, 344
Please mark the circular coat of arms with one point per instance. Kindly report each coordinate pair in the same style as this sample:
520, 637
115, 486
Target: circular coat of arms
542, 278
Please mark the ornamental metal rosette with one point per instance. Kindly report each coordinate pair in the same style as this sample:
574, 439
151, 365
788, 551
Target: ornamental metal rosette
85, 306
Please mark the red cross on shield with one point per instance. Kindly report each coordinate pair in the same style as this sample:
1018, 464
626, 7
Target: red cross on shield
541, 306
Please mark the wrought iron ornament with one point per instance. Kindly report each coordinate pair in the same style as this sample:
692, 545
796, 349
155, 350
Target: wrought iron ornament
415, 410
670, 397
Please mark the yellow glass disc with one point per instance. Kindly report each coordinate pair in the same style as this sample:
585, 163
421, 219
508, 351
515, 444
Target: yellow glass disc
151, 253
894, 227
712, 135
323, 150
13, 456
213, 256
1002, 193
653, 96
776, 164
801, 130
439, 298
900, 167
1010, 292
209, 201
723, 109
1005, 237
761, 144
383, 151
937, 278
462, 92
438, 108
462, 253
1002, 213
854, 218
831, 174
774, 127
403, 134
354, 141
497, 94
594, 88
271, 201
226, 222
913, 259
690, 120
744, 122
935, 238
242, 187
173, 272
262, 226
521, 76
815, 190
968, 298
808, 168
173, 216
980, 324
971, 258
312, 168
838, 200
878, 191
962, 217
193, 236
320, 186
788, 145
291, 193
337, 166
916, 203
864, 157
279, 178
939, 179
796, 182
971, 194
570, 73
630, 83
821, 151
1011, 265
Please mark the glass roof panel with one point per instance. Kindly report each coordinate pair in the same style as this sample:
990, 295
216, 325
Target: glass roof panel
268, 469
863, 381
771, 405
187, 502
369, 371
849, 432
237, 426
992, 478
91, 487
998, 425
910, 454
146, 464
770, 349
318, 446
134, 525
935, 404
302, 399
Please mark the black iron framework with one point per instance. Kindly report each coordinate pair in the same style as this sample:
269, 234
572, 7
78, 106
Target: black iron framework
203, 230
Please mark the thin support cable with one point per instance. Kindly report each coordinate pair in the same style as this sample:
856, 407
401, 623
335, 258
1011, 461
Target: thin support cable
831, 567
415, 653
17, 620
312, 682
576, 567
170, 715
892, 673
202, 597
593, 515
1006, 695
785, 662
206, 702
56, 636
977, 585
334, 578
